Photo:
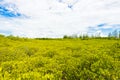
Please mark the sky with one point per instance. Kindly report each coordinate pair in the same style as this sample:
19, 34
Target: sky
55, 18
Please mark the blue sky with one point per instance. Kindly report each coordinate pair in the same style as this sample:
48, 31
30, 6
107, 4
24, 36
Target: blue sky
55, 18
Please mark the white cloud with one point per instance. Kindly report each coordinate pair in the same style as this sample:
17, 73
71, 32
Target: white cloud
51, 18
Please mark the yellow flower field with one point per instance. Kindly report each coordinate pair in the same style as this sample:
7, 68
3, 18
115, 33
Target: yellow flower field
59, 59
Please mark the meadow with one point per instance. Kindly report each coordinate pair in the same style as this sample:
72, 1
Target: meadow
59, 59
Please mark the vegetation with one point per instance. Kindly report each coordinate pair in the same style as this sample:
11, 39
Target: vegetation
59, 59
112, 35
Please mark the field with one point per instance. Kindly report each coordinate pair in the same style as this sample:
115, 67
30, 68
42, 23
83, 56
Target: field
59, 59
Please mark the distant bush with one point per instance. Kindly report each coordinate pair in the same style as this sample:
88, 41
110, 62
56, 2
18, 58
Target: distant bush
2, 35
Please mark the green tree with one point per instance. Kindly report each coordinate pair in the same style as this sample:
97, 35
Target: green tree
119, 34
115, 33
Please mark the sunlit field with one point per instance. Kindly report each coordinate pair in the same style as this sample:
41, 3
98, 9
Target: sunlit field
59, 59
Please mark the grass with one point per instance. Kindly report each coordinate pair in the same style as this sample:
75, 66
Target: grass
59, 59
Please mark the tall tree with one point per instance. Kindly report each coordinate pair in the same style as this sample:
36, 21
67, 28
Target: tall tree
115, 33
119, 34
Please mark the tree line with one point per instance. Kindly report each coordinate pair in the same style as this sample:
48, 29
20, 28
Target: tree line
112, 35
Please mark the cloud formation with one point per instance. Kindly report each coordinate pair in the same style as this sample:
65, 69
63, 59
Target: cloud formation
55, 18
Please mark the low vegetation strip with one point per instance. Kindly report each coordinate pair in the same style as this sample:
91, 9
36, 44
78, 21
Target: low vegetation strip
59, 59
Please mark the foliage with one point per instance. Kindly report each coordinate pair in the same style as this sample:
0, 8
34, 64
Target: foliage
114, 34
59, 59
